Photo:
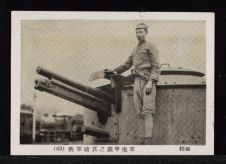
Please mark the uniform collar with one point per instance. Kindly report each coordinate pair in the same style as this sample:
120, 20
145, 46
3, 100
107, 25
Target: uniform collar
140, 43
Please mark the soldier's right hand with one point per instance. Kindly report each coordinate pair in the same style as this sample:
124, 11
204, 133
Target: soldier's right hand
107, 70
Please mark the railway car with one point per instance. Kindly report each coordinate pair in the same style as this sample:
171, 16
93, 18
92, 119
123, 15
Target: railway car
60, 128
26, 119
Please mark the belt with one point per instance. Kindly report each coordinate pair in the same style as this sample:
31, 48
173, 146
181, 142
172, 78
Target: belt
140, 72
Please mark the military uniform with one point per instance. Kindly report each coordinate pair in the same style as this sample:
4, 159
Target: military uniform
145, 60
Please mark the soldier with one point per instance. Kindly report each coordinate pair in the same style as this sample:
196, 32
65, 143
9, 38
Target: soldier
145, 60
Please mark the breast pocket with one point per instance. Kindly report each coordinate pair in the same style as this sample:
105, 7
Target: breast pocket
145, 54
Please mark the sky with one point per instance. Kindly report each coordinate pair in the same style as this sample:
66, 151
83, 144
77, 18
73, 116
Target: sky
76, 48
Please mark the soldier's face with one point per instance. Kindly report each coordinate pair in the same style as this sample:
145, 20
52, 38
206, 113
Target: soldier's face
141, 34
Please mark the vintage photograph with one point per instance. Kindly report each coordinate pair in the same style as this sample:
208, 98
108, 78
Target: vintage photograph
112, 83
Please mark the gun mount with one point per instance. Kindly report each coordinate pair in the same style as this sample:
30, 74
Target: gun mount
112, 116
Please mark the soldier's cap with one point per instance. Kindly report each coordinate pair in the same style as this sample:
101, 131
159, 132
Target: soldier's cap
142, 26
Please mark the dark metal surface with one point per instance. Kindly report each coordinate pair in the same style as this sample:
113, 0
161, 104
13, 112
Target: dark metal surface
73, 95
180, 71
97, 132
94, 91
117, 85
93, 131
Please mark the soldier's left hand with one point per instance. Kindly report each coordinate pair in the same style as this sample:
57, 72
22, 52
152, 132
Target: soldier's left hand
148, 87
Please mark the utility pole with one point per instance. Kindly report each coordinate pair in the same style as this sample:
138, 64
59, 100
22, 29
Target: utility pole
34, 119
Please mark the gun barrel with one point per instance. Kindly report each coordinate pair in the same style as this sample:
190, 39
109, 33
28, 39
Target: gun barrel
97, 132
73, 95
94, 91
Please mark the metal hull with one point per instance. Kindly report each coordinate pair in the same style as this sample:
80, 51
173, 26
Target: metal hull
179, 118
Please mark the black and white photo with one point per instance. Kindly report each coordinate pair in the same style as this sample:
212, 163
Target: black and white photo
112, 83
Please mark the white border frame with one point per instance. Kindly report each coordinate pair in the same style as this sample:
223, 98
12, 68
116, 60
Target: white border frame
18, 16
